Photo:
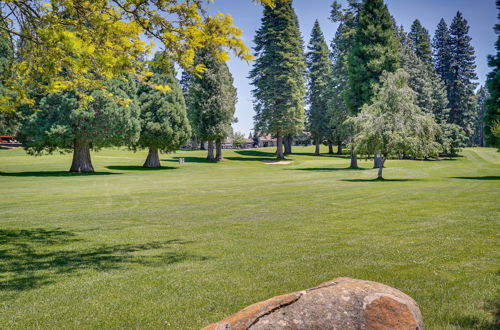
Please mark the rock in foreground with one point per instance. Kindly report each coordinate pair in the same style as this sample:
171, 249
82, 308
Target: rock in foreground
343, 303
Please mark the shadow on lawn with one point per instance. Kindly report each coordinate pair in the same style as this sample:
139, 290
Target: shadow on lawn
139, 168
493, 177
329, 169
53, 173
32, 258
379, 180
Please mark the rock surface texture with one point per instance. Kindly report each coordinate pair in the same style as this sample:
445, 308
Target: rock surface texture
343, 304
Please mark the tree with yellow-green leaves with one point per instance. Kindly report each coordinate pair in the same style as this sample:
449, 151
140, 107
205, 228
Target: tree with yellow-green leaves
76, 45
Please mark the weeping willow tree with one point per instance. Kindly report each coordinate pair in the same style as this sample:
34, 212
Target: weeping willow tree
393, 123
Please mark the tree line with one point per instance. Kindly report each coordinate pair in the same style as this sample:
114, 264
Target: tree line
378, 88
381, 89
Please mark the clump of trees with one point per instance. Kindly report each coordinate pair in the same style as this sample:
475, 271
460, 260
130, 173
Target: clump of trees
393, 124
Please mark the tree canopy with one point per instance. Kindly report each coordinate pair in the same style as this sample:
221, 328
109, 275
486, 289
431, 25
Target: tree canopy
75, 45
393, 123
164, 122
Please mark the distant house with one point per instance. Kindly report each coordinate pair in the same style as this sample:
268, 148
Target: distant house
8, 142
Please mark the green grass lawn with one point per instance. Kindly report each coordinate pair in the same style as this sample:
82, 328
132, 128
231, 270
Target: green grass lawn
190, 244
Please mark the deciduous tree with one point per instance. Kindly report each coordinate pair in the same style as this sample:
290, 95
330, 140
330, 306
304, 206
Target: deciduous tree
393, 123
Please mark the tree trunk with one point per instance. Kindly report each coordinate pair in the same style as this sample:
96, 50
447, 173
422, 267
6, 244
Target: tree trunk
288, 144
194, 143
316, 152
339, 148
202, 145
153, 159
330, 148
381, 168
354, 160
210, 153
81, 158
218, 151
377, 159
279, 146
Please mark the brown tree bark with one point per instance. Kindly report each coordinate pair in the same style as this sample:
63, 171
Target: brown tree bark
210, 153
381, 168
218, 151
330, 148
288, 140
354, 160
339, 148
194, 143
153, 159
376, 161
279, 146
317, 144
81, 158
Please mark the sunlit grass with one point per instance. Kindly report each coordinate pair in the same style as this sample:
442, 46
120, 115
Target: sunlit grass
186, 245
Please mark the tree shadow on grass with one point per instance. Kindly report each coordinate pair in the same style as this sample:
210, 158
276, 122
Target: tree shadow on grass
330, 169
33, 258
140, 168
53, 174
491, 177
379, 180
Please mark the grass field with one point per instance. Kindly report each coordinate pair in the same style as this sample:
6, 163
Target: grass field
187, 245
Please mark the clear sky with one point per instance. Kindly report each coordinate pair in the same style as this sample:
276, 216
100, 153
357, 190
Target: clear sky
481, 15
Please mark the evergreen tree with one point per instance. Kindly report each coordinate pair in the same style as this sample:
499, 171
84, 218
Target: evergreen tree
492, 116
431, 97
341, 45
442, 51
479, 137
212, 101
420, 42
65, 123
278, 74
319, 73
393, 123
375, 51
461, 87
164, 123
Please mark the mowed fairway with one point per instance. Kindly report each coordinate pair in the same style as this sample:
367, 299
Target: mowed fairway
190, 244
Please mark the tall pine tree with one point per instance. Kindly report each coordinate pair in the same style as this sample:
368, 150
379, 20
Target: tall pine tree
441, 56
375, 51
420, 42
492, 116
479, 136
212, 102
278, 74
341, 46
319, 74
461, 87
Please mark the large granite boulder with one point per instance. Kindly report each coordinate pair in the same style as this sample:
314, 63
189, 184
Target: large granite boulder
342, 304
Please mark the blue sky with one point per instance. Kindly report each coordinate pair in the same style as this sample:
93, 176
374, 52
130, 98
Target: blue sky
481, 15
